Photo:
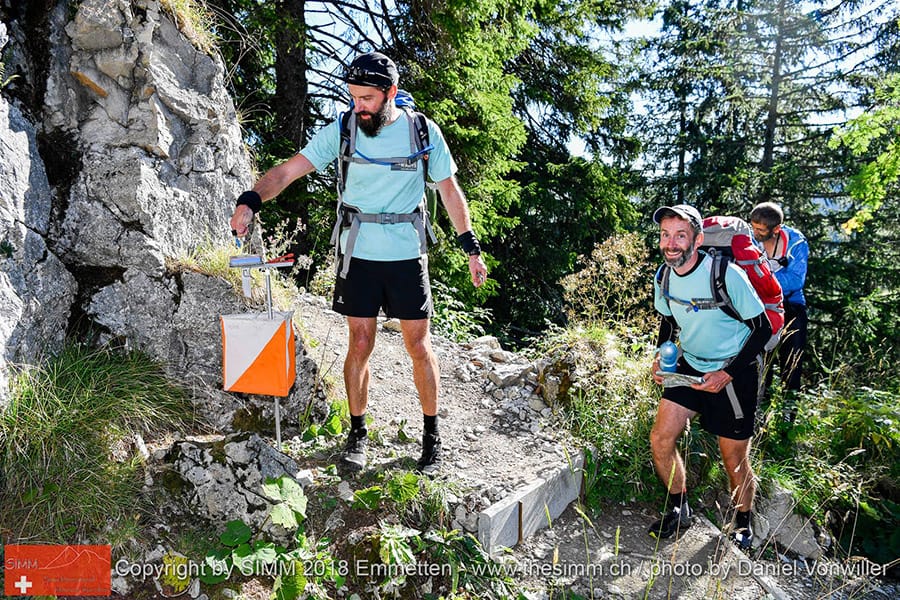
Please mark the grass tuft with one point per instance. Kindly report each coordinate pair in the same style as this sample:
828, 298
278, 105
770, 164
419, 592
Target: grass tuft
195, 21
67, 468
213, 261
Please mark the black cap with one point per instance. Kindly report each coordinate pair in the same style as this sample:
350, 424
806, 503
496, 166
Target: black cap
684, 211
373, 69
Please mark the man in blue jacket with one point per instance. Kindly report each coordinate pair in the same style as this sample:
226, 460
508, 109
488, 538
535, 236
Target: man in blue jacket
382, 247
788, 254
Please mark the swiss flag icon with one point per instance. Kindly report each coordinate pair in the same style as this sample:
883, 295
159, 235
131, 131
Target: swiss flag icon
56, 570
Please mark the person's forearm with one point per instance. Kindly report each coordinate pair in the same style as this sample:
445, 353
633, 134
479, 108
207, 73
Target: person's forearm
278, 178
455, 204
760, 334
668, 327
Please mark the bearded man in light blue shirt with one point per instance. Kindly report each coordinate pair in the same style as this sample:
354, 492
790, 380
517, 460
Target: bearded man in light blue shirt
382, 260
722, 352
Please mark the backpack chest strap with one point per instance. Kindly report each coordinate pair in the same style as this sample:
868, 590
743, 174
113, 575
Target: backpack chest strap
693, 304
351, 154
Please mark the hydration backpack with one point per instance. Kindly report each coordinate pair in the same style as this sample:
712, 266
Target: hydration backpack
419, 145
350, 217
730, 240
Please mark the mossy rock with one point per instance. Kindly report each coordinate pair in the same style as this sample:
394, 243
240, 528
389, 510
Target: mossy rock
250, 419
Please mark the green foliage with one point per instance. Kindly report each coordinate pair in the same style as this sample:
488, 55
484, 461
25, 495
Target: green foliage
568, 95
610, 406
368, 498
568, 206
853, 290
4, 80
841, 459
394, 544
236, 533
473, 572
402, 487
172, 580
455, 54
290, 502
59, 481
304, 568
879, 128
7, 249
614, 287
331, 427
452, 317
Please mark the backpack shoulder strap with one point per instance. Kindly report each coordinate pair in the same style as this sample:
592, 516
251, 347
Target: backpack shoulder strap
419, 128
347, 147
719, 289
662, 278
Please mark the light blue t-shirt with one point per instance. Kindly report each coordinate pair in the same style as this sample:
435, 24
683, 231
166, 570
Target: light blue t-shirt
709, 338
374, 188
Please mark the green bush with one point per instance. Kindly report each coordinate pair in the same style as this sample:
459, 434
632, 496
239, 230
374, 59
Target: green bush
609, 401
842, 457
452, 318
614, 286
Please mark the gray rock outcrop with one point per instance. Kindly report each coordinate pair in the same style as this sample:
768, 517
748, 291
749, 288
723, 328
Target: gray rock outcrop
160, 148
145, 157
162, 155
36, 289
222, 480
776, 520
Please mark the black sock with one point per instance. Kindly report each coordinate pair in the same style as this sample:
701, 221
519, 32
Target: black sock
742, 519
678, 500
430, 424
358, 423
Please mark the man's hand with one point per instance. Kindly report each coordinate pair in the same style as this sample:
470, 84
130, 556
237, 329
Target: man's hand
654, 368
478, 270
241, 219
713, 382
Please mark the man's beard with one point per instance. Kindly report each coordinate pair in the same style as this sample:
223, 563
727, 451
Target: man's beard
371, 127
682, 259
764, 238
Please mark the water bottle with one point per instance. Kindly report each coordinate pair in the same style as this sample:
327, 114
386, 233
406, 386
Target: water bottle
668, 356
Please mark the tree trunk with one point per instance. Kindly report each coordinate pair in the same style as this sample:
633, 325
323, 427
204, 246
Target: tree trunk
768, 157
291, 84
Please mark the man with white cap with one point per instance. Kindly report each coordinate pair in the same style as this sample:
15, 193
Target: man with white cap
719, 350
382, 255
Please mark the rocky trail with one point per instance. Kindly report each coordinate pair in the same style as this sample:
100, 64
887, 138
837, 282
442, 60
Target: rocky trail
499, 437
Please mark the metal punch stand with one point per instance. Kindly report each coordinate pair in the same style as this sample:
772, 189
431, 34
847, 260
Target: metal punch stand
251, 261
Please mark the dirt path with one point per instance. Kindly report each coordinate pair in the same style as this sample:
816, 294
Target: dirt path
492, 444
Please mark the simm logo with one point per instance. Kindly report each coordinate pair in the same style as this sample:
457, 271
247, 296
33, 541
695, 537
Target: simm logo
20, 563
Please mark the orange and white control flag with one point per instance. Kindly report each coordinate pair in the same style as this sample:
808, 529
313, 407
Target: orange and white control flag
258, 355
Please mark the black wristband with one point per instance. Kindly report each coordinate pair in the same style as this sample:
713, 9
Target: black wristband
251, 199
469, 243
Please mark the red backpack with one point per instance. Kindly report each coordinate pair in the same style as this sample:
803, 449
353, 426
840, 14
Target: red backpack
730, 239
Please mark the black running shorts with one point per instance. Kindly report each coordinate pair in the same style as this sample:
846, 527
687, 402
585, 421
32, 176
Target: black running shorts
716, 411
400, 287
